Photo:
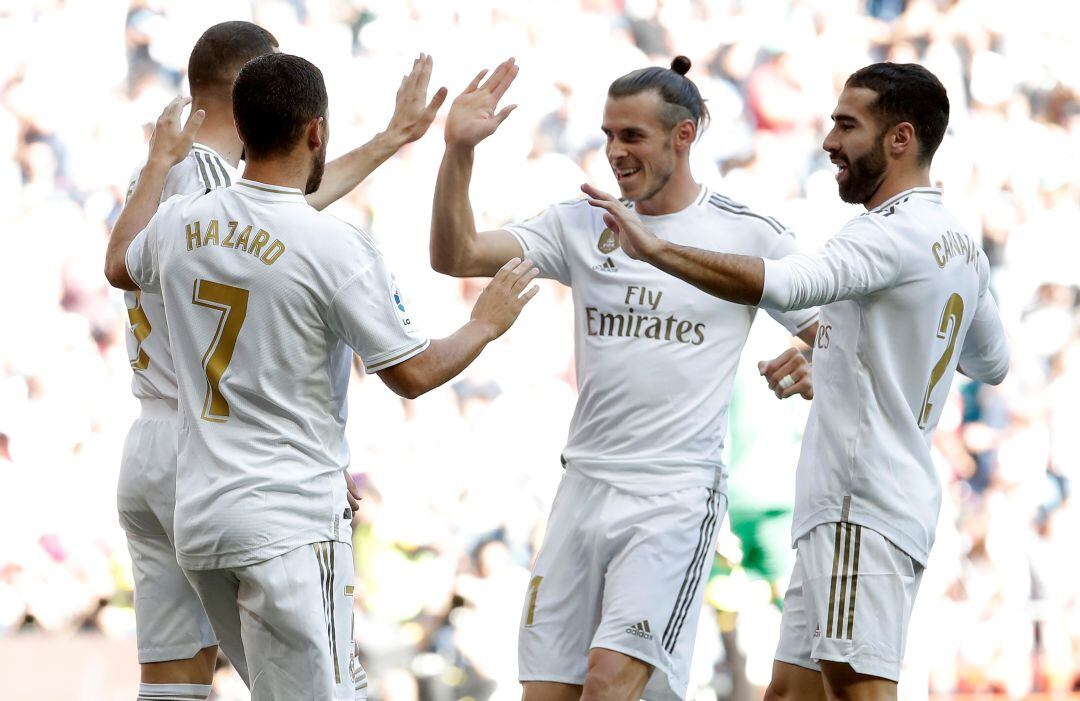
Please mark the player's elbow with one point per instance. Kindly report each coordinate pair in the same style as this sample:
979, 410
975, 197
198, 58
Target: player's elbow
997, 376
117, 275
405, 380
408, 390
452, 261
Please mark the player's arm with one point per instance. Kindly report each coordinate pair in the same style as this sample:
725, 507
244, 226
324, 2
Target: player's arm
409, 122
494, 312
849, 266
985, 354
169, 144
456, 247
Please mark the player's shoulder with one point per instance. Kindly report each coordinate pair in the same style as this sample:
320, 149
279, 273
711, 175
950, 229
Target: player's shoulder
338, 238
733, 212
570, 210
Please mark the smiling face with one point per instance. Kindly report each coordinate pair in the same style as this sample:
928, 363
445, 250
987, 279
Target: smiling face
640, 149
856, 145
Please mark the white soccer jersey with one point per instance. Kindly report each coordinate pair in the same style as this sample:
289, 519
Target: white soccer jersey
905, 295
656, 357
148, 332
265, 295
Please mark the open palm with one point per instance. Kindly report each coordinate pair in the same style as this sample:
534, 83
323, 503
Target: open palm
472, 116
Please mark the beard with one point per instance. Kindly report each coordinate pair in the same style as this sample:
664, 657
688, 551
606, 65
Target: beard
658, 184
317, 168
864, 175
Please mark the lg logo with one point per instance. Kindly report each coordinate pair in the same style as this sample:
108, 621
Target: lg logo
823, 336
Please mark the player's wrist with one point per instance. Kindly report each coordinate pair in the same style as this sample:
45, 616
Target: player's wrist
392, 138
488, 331
158, 163
654, 249
459, 148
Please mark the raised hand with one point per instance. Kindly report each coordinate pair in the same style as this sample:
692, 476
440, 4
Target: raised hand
411, 117
638, 242
788, 374
170, 143
502, 300
472, 116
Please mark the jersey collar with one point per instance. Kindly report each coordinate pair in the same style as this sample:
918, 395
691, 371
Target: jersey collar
206, 149
266, 191
931, 193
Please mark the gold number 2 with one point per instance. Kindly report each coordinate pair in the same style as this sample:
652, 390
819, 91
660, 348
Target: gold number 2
954, 312
534, 589
140, 328
231, 302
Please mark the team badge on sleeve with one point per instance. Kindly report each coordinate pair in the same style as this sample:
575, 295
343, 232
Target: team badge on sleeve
398, 301
608, 242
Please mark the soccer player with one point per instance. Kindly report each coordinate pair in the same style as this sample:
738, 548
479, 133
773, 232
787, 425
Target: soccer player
618, 585
177, 646
265, 296
905, 303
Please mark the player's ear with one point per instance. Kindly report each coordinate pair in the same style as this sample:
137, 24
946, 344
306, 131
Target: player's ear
685, 133
317, 132
902, 140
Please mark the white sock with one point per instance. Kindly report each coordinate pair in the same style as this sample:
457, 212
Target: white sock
173, 692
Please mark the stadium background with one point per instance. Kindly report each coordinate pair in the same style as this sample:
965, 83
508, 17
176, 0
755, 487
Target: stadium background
458, 483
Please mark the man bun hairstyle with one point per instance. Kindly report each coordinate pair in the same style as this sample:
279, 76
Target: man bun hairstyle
221, 52
681, 97
274, 98
907, 92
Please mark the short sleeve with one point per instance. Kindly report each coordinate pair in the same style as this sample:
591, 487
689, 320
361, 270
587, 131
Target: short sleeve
860, 260
797, 320
143, 256
985, 355
541, 239
183, 179
368, 312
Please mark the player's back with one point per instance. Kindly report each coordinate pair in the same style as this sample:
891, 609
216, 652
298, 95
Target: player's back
263, 293
883, 364
148, 333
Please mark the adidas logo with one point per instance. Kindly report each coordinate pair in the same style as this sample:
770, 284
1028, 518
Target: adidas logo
641, 630
607, 266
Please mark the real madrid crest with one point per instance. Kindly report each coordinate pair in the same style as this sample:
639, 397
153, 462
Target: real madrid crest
608, 242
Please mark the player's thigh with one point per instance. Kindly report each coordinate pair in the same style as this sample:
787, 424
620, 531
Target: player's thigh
550, 691
170, 622
219, 592
654, 586
297, 615
146, 487
795, 645
563, 601
169, 619
791, 682
614, 676
860, 589
843, 682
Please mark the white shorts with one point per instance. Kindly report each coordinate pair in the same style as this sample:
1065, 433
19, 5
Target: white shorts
291, 619
622, 572
849, 600
170, 623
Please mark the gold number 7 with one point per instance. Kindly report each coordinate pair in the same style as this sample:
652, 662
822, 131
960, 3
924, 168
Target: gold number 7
954, 311
231, 302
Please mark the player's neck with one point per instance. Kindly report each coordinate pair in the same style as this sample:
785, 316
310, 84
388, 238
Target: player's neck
896, 182
286, 171
223, 139
218, 131
678, 194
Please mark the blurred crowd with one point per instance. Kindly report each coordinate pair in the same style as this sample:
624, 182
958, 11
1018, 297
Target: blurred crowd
457, 484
